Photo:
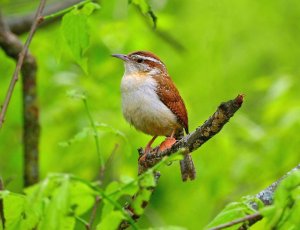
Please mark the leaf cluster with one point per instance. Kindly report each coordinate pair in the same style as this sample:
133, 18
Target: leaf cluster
282, 214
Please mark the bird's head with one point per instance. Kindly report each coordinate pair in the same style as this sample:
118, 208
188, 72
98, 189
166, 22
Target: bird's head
143, 62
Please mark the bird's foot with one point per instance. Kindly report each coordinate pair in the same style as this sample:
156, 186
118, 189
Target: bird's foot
147, 151
167, 143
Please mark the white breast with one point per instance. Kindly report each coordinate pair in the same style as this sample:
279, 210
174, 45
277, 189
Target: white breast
142, 107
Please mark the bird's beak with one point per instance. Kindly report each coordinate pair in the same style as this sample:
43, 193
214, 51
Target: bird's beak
121, 56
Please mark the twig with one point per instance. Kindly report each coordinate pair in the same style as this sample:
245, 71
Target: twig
89, 225
2, 217
109, 161
256, 216
94, 212
21, 58
190, 143
96, 135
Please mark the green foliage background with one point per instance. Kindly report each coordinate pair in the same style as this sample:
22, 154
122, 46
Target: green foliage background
230, 47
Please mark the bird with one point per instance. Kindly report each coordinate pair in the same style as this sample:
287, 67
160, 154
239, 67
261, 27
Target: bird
152, 103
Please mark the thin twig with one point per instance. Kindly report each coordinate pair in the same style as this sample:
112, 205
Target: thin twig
101, 178
2, 217
22, 55
256, 216
89, 226
108, 161
96, 135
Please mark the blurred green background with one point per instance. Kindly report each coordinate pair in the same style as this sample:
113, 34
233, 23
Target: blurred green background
230, 47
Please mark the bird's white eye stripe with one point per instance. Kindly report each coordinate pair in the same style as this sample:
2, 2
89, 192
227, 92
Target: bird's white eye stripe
149, 59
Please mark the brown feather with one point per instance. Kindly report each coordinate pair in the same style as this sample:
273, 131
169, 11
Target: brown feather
145, 54
170, 96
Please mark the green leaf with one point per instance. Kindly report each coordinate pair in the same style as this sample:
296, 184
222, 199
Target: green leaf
138, 203
82, 197
108, 207
76, 94
78, 137
147, 180
57, 208
115, 190
111, 221
129, 186
284, 213
89, 8
18, 211
168, 228
75, 31
176, 156
231, 212
145, 8
282, 195
142, 4
108, 128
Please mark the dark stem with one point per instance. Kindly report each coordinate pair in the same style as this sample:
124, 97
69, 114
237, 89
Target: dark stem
2, 217
94, 213
31, 127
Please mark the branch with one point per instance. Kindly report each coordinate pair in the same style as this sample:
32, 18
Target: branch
194, 140
21, 25
190, 143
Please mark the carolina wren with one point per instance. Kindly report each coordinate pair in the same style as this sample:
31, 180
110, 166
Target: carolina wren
152, 103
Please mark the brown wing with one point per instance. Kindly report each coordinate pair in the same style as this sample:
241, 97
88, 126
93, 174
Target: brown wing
170, 96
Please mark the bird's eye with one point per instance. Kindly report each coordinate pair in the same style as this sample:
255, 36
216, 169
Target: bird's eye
140, 60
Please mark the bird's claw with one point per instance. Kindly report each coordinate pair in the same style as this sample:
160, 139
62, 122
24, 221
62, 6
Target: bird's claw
167, 143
